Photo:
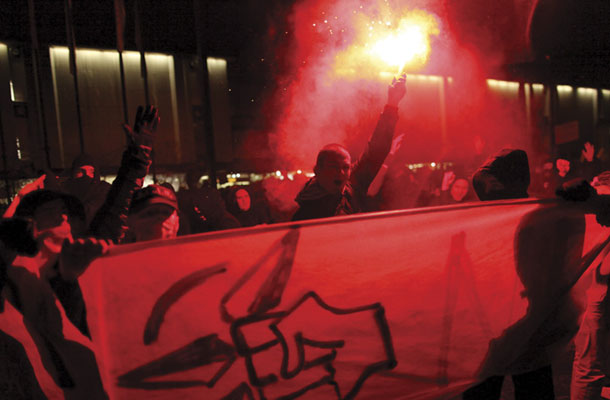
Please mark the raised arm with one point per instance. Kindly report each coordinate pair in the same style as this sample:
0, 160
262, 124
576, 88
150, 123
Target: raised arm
375, 186
380, 143
110, 222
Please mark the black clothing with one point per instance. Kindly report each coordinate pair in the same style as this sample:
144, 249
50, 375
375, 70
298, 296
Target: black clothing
204, 210
257, 214
534, 385
504, 176
315, 202
588, 169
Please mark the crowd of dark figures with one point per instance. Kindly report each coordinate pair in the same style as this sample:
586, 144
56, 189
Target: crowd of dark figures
58, 224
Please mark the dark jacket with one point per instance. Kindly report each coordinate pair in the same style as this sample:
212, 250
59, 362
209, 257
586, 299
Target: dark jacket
315, 202
504, 176
204, 211
110, 223
257, 214
90, 191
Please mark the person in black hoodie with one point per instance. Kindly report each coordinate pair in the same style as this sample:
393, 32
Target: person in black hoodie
202, 207
246, 209
340, 188
548, 240
505, 176
85, 184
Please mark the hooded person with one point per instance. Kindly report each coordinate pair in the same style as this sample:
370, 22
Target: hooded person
340, 188
245, 208
548, 243
85, 184
203, 207
504, 176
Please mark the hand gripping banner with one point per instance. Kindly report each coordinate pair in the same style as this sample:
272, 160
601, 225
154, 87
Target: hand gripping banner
407, 304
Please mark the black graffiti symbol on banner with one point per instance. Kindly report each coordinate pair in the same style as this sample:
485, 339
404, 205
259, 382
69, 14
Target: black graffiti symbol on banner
211, 350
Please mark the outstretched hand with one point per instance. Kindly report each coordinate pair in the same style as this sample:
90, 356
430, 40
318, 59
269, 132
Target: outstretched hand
448, 179
76, 255
397, 90
144, 127
588, 152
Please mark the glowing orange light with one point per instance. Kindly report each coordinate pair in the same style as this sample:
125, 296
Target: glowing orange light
401, 43
399, 49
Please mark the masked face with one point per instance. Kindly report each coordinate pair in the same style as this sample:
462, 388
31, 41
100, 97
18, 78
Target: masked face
243, 199
334, 171
51, 226
81, 181
459, 189
157, 221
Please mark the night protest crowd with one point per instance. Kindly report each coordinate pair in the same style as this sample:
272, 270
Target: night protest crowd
57, 227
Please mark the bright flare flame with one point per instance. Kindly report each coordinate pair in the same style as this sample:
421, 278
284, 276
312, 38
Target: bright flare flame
378, 47
410, 44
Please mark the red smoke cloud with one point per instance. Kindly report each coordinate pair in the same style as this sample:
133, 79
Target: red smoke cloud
314, 105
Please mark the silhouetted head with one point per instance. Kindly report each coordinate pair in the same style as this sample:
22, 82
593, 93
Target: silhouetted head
504, 176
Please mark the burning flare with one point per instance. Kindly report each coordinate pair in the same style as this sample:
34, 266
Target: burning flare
388, 46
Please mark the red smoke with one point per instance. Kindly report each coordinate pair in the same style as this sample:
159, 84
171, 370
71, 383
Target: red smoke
313, 106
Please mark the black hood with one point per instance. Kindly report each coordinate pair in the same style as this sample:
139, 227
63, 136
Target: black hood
504, 176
